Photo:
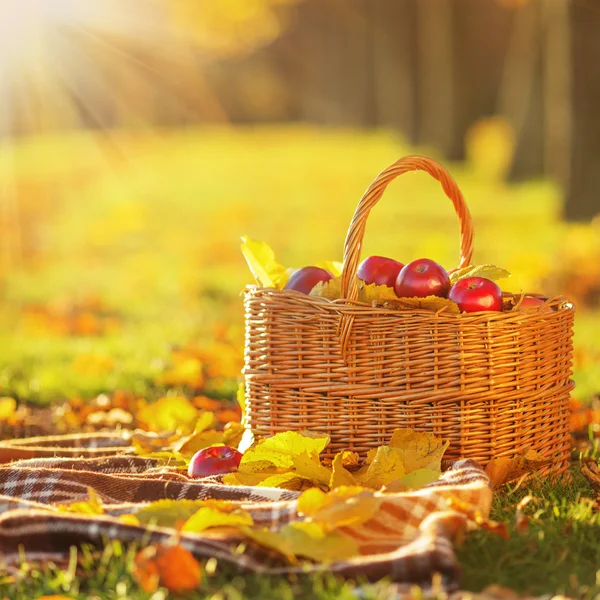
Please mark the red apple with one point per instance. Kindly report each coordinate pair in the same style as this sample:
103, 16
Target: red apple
379, 270
215, 460
474, 294
532, 303
421, 278
304, 280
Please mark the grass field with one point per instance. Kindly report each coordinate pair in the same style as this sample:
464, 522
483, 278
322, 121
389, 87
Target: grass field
129, 246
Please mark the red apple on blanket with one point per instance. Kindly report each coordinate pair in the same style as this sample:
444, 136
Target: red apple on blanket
421, 278
304, 280
215, 460
379, 270
474, 294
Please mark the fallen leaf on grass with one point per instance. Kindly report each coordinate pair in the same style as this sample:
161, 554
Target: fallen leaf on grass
505, 469
591, 471
173, 567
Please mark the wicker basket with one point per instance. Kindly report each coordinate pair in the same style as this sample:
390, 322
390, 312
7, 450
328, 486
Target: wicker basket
491, 383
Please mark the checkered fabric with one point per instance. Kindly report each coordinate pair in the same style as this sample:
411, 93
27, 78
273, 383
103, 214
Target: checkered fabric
409, 539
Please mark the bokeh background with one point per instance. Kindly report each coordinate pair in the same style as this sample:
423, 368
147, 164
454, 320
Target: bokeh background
139, 139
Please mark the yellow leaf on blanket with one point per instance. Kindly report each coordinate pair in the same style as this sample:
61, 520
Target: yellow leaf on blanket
283, 447
344, 506
92, 506
414, 481
271, 540
386, 466
168, 414
129, 520
419, 449
504, 469
313, 540
340, 475
208, 517
170, 513
310, 467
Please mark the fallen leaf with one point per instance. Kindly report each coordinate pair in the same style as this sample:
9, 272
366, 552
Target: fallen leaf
419, 449
309, 467
340, 475
282, 448
168, 513
414, 481
590, 470
92, 506
173, 567
385, 467
208, 517
504, 469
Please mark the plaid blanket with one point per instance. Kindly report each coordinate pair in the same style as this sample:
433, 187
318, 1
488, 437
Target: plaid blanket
408, 540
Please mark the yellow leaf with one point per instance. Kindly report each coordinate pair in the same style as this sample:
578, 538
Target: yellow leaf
168, 513
250, 479
332, 289
200, 438
374, 293
8, 407
340, 476
208, 517
312, 540
241, 400
418, 449
504, 469
188, 371
92, 506
488, 271
281, 448
266, 270
434, 303
168, 414
414, 480
333, 266
272, 541
288, 481
387, 466
310, 501
129, 520
309, 467
342, 507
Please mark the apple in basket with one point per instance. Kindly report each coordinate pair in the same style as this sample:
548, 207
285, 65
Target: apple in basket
533, 303
421, 278
474, 294
215, 460
304, 280
379, 270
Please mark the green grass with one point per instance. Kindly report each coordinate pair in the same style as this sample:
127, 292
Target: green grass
156, 239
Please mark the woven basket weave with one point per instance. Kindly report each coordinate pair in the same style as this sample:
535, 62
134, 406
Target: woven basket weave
492, 383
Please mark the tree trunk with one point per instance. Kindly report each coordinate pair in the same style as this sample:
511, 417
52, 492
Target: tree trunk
583, 196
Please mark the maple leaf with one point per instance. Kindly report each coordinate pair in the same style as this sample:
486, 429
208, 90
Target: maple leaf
331, 289
169, 513
386, 466
173, 567
309, 467
507, 468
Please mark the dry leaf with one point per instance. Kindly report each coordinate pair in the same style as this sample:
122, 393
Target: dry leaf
385, 467
505, 469
432, 303
590, 470
173, 567
332, 289
309, 467
340, 475
208, 517
419, 449
375, 294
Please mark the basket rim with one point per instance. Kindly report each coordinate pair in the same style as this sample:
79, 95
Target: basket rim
561, 305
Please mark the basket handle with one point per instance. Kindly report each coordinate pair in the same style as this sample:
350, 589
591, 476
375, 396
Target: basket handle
356, 231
